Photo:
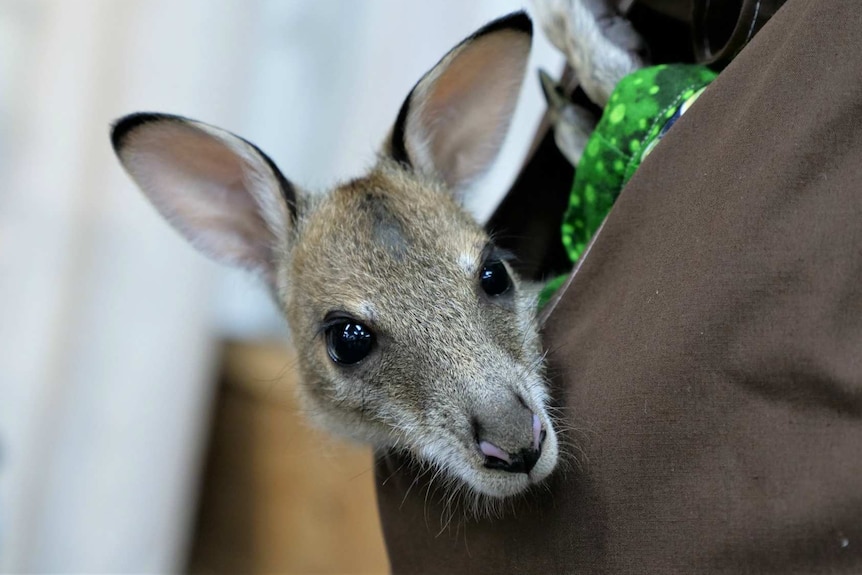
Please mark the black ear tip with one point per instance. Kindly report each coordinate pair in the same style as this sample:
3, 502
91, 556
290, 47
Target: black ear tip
124, 126
518, 21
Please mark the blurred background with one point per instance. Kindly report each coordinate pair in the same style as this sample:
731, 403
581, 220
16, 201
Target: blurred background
147, 418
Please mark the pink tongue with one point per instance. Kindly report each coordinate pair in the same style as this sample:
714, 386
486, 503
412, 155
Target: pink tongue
537, 431
492, 450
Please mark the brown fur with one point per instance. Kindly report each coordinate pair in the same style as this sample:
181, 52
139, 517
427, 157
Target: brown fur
447, 353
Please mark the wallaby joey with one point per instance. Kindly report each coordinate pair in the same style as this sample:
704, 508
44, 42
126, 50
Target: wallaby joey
411, 328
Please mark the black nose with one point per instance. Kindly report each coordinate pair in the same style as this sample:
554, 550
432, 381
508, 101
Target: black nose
522, 462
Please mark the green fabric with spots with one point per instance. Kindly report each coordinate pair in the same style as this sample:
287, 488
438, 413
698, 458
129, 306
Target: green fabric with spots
641, 109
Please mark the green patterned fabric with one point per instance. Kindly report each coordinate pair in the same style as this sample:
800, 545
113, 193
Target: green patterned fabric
642, 108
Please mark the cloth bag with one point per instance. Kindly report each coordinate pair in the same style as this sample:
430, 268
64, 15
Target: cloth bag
707, 353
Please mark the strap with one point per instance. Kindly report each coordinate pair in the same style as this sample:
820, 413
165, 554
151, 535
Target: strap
720, 29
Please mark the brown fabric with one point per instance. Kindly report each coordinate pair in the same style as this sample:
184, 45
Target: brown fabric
708, 353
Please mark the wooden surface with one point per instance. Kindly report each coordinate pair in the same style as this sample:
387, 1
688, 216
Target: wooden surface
279, 496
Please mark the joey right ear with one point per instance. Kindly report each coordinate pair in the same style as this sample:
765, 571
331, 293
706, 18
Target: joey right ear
219, 191
455, 119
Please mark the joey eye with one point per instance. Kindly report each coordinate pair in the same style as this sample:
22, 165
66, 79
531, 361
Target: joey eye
348, 342
494, 278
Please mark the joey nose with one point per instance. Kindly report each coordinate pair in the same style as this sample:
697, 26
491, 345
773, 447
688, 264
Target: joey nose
515, 452
522, 462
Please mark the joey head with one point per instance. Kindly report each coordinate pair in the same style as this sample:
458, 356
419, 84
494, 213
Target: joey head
411, 328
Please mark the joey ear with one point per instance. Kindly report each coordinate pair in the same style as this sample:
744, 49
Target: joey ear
455, 119
219, 191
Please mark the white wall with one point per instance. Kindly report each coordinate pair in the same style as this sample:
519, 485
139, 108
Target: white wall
108, 321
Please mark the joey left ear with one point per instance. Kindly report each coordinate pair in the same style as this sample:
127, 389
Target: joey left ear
455, 119
219, 191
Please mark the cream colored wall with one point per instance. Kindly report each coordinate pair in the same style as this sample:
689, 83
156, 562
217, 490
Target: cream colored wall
108, 321
106, 324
